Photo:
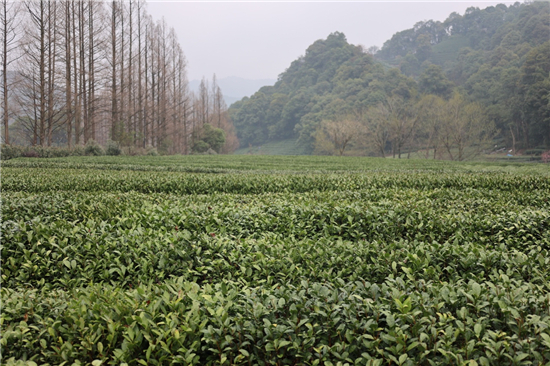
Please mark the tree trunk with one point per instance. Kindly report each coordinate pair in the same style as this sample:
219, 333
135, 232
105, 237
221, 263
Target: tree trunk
130, 116
42, 76
90, 92
5, 71
77, 96
68, 71
114, 101
140, 82
122, 84
51, 70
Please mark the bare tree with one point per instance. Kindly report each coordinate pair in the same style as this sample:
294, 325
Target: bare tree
38, 95
131, 128
431, 110
394, 120
76, 77
180, 100
68, 72
466, 128
93, 51
378, 127
203, 103
139, 131
113, 62
51, 72
9, 16
115, 122
218, 104
403, 123
341, 132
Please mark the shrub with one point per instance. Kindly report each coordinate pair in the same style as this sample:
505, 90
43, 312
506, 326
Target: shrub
93, 148
361, 261
10, 152
200, 147
15, 151
77, 150
59, 152
113, 148
151, 151
30, 153
535, 152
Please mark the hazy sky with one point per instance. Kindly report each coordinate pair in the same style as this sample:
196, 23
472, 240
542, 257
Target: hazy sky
259, 40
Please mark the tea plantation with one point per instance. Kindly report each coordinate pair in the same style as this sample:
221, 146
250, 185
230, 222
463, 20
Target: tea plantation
256, 260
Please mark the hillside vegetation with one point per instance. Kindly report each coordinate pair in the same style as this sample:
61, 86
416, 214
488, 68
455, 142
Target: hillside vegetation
490, 66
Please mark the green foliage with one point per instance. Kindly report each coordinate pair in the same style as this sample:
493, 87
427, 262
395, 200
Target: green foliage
534, 86
10, 152
449, 49
210, 139
201, 146
318, 259
93, 148
14, 151
214, 137
112, 148
492, 53
151, 151
267, 164
433, 81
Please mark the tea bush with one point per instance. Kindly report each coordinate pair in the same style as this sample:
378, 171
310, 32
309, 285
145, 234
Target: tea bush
13, 151
162, 264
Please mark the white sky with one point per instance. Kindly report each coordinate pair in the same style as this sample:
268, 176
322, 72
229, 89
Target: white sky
259, 40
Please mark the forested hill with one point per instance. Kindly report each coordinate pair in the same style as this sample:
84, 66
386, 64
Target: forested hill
333, 77
509, 31
495, 58
501, 57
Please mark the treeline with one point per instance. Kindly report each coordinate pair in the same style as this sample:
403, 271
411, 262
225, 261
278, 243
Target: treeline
393, 106
81, 70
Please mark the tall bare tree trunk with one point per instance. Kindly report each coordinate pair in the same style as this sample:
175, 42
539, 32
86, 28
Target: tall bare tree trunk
146, 96
5, 116
154, 91
123, 113
68, 71
162, 60
51, 71
131, 127
8, 21
83, 90
76, 79
42, 75
114, 98
140, 122
91, 72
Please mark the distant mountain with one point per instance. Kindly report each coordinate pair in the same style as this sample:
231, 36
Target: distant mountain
235, 88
